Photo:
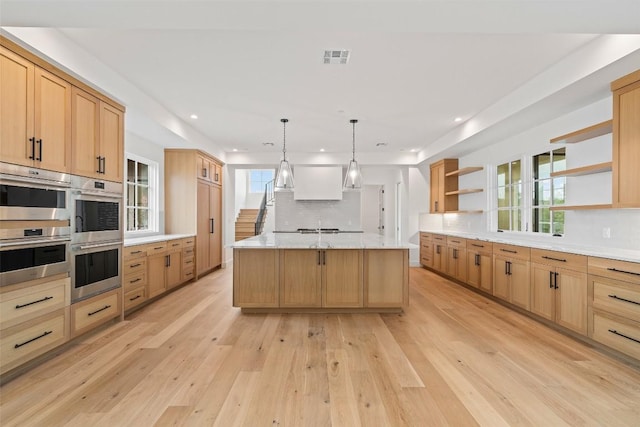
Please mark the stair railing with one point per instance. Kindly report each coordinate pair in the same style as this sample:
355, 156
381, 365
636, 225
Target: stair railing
267, 197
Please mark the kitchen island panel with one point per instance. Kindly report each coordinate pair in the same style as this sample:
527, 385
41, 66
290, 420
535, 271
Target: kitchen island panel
300, 278
342, 281
386, 276
255, 278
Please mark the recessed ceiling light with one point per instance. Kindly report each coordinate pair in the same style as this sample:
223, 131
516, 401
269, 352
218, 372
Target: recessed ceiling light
235, 149
457, 119
194, 116
381, 144
322, 150
413, 150
268, 144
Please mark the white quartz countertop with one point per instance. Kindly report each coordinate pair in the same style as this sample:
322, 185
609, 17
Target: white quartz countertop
133, 241
320, 241
549, 243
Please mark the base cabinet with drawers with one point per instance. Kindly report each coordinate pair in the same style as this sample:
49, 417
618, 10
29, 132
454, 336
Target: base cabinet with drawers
34, 318
457, 258
426, 249
614, 304
151, 269
93, 312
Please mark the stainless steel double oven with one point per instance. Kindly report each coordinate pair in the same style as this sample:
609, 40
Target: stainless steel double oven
34, 218
52, 223
96, 237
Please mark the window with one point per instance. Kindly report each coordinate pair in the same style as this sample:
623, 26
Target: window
548, 191
141, 195
510, 196
258, 178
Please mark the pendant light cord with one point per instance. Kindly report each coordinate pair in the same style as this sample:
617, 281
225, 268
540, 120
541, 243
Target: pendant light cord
284, 138
353, 157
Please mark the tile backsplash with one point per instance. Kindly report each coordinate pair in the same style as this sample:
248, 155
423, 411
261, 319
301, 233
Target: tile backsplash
293, 214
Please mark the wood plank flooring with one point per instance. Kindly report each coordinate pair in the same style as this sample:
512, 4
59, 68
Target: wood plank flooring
453, 358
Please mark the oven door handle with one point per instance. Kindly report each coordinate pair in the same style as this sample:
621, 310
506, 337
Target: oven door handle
37, 183
35, 242
100, 245
97, 194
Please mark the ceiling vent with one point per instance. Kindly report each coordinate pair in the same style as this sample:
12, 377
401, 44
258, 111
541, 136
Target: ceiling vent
336, 56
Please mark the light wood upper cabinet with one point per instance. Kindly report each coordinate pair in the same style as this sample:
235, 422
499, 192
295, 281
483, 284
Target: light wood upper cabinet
97, 137
35, 115
626, 137
441, 184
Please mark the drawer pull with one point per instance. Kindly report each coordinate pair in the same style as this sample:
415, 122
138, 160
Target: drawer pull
188, 262
158, 247
508, 250
135, 280
189, 274
623, 271
135, 252
477, 246
33, 302
135, 298
613, 331
175, 244
135, 265
554, 259
33, 339
624, 299
456, 241
99, 310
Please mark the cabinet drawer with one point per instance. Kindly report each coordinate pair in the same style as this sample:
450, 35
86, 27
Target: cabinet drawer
187, 262
188, 242
90, 313
134, 266
28, 303
425, 237
456, 242
621, 270
156, 248
621, 335
439, 238
132, 252
28, 340
559, 259
480, 246
512, 251
616, 297
188, 273
134, 298
134, 281
174, 244
188, 252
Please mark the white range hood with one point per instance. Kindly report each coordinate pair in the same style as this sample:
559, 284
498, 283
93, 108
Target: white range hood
317, 183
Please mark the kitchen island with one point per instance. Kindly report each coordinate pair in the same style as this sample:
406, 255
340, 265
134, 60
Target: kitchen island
346, 272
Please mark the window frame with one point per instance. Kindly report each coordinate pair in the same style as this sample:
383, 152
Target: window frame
553, 182
153, 193
250, 181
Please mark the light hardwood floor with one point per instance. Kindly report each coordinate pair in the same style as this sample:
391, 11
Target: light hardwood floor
453, 358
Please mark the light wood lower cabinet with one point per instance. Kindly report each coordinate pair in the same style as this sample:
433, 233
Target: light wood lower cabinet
480, 265
320, 278
92, 312
440, 253
511, 274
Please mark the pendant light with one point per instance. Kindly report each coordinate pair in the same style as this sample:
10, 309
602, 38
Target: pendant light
353, 178
284, 177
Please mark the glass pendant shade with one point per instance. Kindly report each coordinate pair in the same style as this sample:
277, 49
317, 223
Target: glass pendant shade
284, 177
353, 178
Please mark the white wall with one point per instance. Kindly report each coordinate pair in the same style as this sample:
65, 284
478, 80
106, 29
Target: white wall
581, 227
139, 146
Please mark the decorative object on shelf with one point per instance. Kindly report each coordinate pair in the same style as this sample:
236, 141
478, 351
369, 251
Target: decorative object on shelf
353, 178
284, 178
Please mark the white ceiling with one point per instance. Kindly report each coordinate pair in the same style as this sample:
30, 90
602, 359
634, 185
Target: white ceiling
414, 66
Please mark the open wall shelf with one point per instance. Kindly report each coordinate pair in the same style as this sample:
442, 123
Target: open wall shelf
585, 170
464, 171
584, 134
464, 191
580, 207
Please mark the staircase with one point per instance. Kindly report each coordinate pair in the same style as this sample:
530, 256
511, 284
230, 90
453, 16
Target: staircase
246, 223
